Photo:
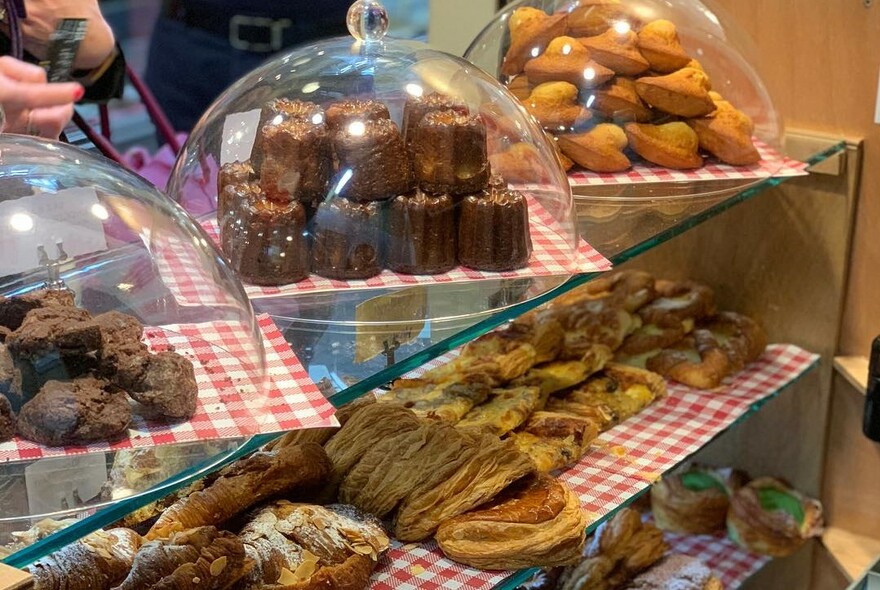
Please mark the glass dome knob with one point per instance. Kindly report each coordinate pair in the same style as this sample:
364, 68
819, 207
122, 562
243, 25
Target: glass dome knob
367, 20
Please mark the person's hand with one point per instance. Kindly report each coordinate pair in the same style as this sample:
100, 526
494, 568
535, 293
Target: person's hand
43, 17
31, 105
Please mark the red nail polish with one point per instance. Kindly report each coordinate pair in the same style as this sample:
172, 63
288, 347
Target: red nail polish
80, 92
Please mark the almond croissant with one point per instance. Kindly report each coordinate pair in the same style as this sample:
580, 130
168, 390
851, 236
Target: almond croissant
97, 562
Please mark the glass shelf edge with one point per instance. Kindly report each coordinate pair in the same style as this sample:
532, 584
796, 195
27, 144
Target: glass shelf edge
518, 577
109, 515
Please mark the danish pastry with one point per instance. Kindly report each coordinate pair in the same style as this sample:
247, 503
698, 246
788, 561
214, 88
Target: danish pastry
566, 60
627, 289
599, 150
679, 303
530, 29
590, 325
447, 401
555, 106
695, 500
618, 51
554, 440
726, 133
505, 410
684, 92
594, 17
673, 145
559, 375
660, 45
741, 338
535, 522
619, 101
697, 361
767, 516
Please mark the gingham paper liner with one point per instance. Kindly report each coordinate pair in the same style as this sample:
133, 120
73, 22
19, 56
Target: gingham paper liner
228, 403
624, 461
549, 255
772, 164
731, 563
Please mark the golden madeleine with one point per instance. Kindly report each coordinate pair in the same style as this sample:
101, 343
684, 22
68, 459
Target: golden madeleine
684, 93
674, 145
660, 45
599, 149
531, 29
618, 51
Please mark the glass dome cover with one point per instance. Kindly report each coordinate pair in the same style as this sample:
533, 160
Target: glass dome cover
367, 163
629, 82
84, 241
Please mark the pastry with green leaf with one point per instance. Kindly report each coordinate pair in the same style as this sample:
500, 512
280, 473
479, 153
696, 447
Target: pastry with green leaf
767, 516
695, 500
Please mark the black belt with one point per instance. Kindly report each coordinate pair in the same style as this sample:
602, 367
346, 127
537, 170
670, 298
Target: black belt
247, 32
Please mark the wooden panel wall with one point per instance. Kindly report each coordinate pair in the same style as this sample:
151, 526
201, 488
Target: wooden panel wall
820, 60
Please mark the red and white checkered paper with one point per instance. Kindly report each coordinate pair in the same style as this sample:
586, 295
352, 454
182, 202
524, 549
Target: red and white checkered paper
730, 562
772, 164
232, 403
624, 461
550, 257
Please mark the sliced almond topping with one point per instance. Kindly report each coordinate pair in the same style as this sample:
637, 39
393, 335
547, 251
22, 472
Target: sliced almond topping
287, 577
362, 548
305, 570
218, 565
309, 556
196, 580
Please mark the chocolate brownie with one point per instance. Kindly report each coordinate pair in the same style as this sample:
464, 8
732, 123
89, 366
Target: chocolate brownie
75, 412
166, 386
10, 378
120, 339
55, 342
14, 309
7, 420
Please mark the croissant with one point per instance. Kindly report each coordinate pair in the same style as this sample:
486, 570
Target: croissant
200, 558
676, 571
243, 484
767, 516
99, 561
694, 501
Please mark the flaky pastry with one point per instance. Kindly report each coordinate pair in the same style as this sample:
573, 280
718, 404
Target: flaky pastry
504, 411
628, 289
767, 516
321, 435
554, 440
726, 133
99, 561
599, 149
674, 145
495, 465
697, 361
619, 101
681, 572
648, 338
742, 338
501, 355
594, 17
596, 327
679, 303
694, 500
537, 522
531, 29
446, 401
557, 376
618, 51
659, 43
684, 92
555, 105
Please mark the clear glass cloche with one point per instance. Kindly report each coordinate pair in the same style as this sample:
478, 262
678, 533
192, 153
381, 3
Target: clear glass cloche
122, 328
360, 166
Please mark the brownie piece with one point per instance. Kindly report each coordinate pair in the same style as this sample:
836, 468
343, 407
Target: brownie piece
14, 309
7, 420
75, 412
165, 384
53, 343
121, 338
10, 378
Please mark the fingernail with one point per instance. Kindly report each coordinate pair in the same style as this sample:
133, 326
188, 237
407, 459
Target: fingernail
80, 92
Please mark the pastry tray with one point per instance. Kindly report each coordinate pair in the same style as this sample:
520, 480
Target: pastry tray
772, 164
549, 256
623, 462
231, 404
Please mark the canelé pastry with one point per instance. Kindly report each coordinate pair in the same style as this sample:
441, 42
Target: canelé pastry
599, 150
265, 240
421, 233
554, 440
742, 339
296, 161
493, 231
618, 51
98, 561
347, 239
277, 112
695, 500
681, 572
684, 92
215, 558
417, 107
536, 522
594, 17
165, 386
674, 145
243, 484
14, 309
76, 412
230, 175
372, 164
555, 105
449, 153
305, 546
530, 29
660, 45
566, 60
230, 201
726, 133
767, 516
679, 362
340, 114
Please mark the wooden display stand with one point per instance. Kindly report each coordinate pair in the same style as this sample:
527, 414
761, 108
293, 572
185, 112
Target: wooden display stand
14, 579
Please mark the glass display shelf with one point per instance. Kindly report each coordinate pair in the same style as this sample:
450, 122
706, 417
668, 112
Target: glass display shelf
328, 354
